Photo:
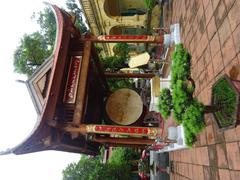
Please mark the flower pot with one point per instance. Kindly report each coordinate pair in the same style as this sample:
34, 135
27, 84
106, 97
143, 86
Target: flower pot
172, 133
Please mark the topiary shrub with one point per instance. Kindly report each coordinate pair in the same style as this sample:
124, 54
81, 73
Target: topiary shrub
186, 110
181, 64
182, 90
181, 99
194, 117
165, 102
189, 136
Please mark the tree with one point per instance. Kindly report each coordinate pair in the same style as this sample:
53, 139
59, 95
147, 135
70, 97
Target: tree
86, 168
47, 23
122, 50
122, 155
93, 169
115, 63
77, 12
118, 60
30, 54
117, 167
36, 47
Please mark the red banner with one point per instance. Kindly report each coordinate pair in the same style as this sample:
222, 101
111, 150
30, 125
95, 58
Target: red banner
72, 81
120, 130
128, 38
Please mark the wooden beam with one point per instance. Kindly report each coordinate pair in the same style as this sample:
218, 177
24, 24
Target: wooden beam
123, 38
82, 84
143, 146
129, 75
130, 141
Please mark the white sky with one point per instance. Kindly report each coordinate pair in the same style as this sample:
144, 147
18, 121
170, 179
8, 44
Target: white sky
17, 113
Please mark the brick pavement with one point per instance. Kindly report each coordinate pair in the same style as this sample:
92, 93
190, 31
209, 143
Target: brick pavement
210, 30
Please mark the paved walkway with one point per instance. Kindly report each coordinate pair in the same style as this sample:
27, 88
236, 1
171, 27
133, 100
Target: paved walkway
211, 32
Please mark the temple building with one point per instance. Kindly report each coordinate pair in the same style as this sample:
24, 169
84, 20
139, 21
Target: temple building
116, 17
76, 110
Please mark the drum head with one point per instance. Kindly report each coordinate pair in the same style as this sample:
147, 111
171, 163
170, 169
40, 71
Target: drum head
124, 106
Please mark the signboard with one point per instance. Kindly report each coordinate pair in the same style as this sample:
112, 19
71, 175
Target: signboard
72, 80
139, 60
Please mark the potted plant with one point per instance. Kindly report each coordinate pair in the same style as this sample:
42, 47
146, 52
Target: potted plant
189, 111
226, 94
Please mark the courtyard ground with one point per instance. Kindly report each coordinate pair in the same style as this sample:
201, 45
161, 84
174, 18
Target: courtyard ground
210, 30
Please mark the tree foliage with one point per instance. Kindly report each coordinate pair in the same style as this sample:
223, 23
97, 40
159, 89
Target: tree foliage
186, 110
165, 102
224, 96
86, 168
115, 63
150, 4
181, 64
36, 47
118, 60
77, 12
123, 156
121, 50
117, 83
181, 99
118, 167
47, 23
30, 54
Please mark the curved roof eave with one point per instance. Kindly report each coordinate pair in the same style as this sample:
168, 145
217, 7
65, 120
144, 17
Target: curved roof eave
61, 45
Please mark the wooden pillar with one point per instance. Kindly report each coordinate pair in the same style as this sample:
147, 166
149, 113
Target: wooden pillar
111, 129
130, 141
82, 87
129, 75
124, 38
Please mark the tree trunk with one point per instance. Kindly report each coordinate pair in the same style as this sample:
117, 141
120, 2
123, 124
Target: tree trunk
212, 109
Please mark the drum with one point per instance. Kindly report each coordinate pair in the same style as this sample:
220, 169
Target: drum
124, 106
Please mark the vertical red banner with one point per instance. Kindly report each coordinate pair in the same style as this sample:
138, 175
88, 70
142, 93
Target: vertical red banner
72, 80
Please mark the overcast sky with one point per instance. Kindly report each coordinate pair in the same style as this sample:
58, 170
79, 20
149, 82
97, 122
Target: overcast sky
17, 113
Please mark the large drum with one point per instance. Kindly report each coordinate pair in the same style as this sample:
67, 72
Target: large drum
124, 106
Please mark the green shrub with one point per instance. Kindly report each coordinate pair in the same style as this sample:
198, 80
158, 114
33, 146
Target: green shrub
181, 64
190, 88
189, 136
193, 117
224, 95
113, 63
193, 121
165, 103
150, 4
119, 60
121, 50
186, 110
181, 99
118, 83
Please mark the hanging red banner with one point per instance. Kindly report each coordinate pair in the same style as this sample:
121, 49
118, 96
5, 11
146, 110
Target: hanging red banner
72, 81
